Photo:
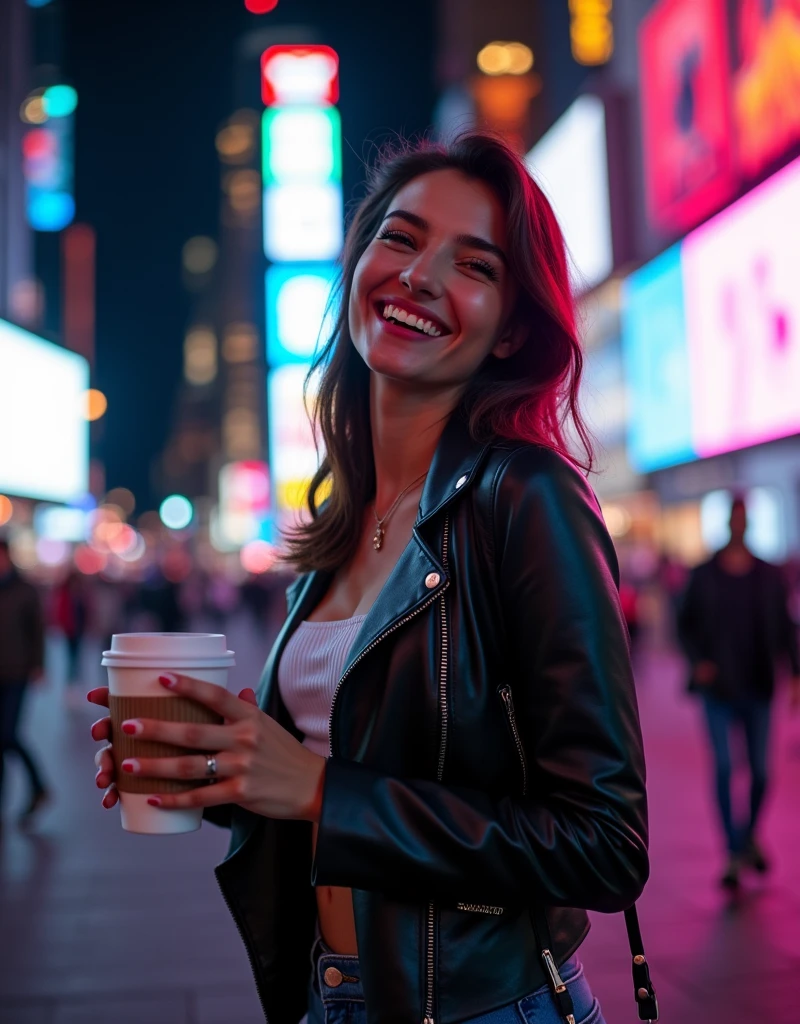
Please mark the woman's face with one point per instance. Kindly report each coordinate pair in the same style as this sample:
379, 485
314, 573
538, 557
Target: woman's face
437, 262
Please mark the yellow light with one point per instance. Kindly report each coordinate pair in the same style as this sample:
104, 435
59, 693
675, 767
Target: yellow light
95, 404
520, 58
591, 32
240, 344
6, 509
199, 254
32, 110
499, 58
200, 355
243, 189
494, 59
234, 143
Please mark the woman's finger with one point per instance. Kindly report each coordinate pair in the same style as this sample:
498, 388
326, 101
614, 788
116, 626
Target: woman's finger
101, 729
215, 697
98, 696
110, 797
104, 759
190, 767
203, 796
193, 735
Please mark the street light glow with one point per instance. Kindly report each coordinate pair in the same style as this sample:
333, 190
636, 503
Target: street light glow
176, 512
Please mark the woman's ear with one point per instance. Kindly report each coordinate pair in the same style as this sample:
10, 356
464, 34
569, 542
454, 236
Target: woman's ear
510, 342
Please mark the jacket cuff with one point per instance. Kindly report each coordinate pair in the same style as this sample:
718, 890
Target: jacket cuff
343, 830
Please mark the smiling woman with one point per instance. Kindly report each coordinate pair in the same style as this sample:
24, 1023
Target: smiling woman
461, 238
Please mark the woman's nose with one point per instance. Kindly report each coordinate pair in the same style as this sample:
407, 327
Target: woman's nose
420, 277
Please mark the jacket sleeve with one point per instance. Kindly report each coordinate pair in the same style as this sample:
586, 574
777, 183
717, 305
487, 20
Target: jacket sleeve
578, 839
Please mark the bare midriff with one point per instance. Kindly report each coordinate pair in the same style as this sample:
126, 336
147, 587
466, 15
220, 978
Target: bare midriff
335, 914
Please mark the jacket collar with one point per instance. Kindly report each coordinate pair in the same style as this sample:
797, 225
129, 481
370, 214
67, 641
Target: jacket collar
454, 466
455, 462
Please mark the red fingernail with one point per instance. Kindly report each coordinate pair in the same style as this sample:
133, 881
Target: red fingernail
131, 765
154, 801
168, 680
132, 727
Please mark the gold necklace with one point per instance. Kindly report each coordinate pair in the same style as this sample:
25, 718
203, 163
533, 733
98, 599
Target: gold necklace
377, 540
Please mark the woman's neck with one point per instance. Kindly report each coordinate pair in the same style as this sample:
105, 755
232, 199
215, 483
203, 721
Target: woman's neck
406, 427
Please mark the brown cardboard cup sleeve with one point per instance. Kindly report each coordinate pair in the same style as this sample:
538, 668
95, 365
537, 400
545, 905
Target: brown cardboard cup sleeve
166, 709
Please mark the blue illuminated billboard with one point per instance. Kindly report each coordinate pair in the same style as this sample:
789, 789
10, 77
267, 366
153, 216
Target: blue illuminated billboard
657, 369
297, 299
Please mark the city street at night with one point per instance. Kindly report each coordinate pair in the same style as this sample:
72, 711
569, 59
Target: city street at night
124, 929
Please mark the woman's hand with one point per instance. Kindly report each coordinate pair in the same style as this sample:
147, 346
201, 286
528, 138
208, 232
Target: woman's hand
260, 766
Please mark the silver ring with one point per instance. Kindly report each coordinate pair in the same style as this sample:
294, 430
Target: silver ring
211, 766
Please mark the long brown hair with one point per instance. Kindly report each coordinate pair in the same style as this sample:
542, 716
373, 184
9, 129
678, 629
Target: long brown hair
530, 396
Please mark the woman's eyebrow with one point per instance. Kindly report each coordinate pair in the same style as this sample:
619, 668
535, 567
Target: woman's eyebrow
472, 241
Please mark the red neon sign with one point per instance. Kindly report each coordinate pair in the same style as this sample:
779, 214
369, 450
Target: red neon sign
686, 116
299, 74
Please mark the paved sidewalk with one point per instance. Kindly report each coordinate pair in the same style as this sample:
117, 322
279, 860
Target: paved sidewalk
99, 925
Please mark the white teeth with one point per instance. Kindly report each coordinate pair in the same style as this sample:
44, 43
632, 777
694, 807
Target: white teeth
411, 320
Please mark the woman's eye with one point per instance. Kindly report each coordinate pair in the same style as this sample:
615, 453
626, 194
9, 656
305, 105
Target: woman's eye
396, 236
483, 267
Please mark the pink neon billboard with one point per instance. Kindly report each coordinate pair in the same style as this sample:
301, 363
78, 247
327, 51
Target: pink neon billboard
741, 280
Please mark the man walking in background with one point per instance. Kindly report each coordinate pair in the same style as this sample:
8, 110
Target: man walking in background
21, 662
734, 625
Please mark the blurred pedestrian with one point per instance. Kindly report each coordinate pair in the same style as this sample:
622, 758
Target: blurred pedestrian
70, 611
734, 625
21, 662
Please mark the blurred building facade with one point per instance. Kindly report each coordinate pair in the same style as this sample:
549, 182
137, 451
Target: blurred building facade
16, 244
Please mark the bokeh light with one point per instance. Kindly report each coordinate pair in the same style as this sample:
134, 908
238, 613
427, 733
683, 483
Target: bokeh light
257, 556
59, 100
243, 189
52, 552
260, 6
32, 110
199, 254
6, 509
95, 404
200, 355
88, 561
176, 512
235, 142
500, 58
240, 343
136, 550
123, 499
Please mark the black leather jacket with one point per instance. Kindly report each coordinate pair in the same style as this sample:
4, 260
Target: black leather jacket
487, 756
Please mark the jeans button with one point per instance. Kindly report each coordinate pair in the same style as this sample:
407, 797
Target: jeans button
333, 977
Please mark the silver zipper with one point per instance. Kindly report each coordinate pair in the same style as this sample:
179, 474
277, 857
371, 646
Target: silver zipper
443, 668
431, 917
508, 700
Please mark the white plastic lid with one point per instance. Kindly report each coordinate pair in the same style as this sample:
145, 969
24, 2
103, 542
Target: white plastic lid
168, 650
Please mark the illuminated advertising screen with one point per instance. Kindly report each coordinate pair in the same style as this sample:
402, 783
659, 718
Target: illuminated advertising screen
292, 452
44, 435
303, 221
766, 81
684, 68
299, 74
711, 333
243, 503
740, 273
301, 144
570, 163
297, 299
656, 357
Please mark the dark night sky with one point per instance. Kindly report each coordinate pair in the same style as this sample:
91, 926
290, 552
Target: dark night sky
154, 80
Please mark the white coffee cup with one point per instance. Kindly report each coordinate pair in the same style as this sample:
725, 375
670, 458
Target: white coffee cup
134, 663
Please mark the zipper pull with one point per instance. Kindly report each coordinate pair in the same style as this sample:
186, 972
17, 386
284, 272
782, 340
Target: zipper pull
508, 700
428, 1020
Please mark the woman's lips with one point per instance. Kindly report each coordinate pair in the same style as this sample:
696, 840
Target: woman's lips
401, 331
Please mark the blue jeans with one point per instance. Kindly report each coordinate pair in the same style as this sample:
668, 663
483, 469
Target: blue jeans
752, 715
343, 1002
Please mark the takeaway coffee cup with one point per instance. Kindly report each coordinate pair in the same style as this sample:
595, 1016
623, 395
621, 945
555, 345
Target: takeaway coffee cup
134, 663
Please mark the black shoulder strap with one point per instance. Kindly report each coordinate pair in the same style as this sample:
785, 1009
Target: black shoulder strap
642, 985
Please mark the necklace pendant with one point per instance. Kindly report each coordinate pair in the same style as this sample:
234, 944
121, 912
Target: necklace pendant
377, 540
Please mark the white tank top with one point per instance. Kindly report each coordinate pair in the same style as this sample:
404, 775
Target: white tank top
310, 667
